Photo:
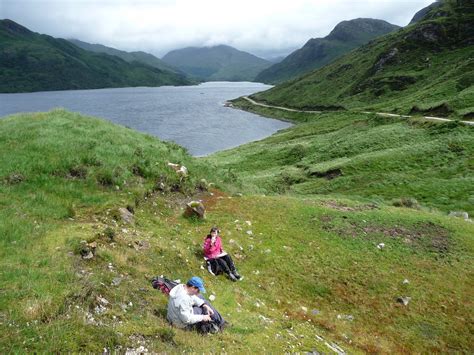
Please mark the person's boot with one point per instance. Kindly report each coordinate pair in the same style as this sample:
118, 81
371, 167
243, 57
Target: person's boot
236, 274
232, 277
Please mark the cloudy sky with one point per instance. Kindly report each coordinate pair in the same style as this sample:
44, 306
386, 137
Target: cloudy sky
263, 27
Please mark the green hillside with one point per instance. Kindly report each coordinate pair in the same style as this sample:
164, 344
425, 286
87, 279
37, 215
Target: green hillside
216, 63
387, 160
314, 276
426, 67
138, 56
33, 62
318, 52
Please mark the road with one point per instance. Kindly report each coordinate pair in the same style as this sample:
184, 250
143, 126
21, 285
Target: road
382, 114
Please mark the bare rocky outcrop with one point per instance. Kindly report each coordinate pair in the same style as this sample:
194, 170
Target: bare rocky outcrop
386, 58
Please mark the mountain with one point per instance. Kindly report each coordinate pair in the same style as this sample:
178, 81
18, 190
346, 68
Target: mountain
423, 12
317, 52
34, 62
216, 63
141, 57
426, 67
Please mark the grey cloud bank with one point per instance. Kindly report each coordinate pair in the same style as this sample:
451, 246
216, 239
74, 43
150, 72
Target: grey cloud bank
265, 28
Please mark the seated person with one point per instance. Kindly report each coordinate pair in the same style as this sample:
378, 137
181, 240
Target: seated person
187, 309
217, 259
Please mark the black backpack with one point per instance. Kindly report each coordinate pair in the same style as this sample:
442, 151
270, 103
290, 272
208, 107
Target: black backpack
163, 284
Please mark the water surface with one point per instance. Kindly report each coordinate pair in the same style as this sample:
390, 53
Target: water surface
192, 116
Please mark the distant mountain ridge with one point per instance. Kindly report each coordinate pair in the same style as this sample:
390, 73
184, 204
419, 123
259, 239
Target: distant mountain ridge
425, 68
318, 52
35, 62
139, 56
216, 63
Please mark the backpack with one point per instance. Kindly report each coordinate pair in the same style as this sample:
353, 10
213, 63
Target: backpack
163, 284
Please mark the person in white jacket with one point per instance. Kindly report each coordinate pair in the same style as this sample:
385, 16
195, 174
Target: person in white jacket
181, 302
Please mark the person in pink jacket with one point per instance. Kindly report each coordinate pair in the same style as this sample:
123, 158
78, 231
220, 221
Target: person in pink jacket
217, 259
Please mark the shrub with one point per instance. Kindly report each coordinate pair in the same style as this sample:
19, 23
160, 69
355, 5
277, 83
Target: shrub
105, 178
109, 233
407, 202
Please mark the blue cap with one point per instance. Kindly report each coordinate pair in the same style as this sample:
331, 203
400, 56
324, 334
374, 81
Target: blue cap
197, 282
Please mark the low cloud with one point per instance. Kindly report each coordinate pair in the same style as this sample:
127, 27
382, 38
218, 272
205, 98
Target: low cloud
262, 27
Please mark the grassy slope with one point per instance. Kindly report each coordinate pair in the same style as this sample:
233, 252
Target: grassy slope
381, 159
315, 253
426, 66
34, 62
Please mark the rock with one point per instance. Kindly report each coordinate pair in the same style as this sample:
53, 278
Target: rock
141, 245
461, 214
386, 58
348, 317
179, 169
15, 178
404, 300
381, 246
102, 301
88, 251
406, 282
99, 309
126, 215
116, 281
195, 208
212, 298
249, 232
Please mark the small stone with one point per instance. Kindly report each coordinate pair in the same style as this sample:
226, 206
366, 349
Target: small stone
126, 215
248, 223
404, 300
348, 317
87, 255
195, 208
304, 309
100, 309
212, 298
102, 300
249, 232
116, 281
459, 214
381, 246
406, 282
